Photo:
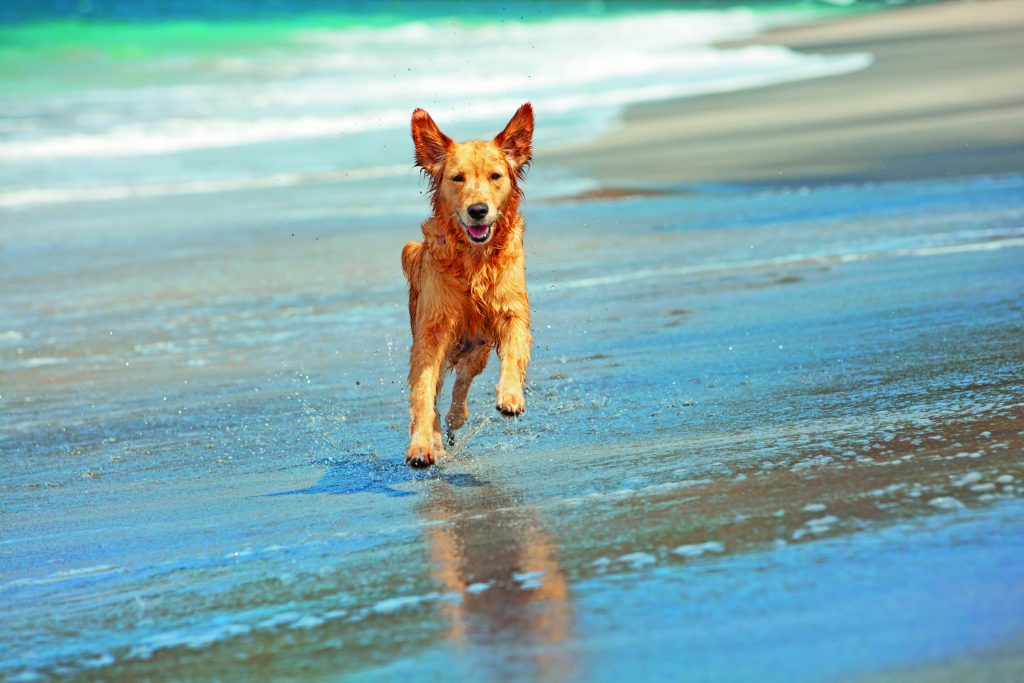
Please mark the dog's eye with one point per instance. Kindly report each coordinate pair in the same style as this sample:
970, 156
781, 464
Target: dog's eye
458, 177
495, 175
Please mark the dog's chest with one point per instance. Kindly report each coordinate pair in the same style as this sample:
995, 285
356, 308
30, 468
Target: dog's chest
478, 315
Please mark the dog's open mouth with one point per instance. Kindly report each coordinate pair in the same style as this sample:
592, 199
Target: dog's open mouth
478, 233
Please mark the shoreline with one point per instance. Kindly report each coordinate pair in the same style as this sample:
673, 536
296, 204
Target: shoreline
939, 100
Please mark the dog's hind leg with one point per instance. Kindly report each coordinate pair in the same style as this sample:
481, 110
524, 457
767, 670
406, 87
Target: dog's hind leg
466, 370
438, 438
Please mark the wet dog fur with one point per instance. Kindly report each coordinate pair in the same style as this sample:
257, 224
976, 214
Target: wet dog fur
467, 277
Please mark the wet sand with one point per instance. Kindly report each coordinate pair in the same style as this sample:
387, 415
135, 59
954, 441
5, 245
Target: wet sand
779, 423
941, 99
771, 434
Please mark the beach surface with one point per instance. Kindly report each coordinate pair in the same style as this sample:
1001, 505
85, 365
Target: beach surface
942, 98
774, 426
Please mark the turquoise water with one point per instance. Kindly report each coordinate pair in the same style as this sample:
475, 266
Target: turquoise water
124, 103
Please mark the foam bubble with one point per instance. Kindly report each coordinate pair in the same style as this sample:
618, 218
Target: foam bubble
698, 549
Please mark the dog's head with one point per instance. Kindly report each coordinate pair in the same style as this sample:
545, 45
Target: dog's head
474, 182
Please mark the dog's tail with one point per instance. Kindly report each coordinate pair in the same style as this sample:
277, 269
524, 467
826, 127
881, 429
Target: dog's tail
411, 260
412, 257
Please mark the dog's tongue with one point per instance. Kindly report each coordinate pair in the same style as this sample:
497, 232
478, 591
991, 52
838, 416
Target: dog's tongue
477, 230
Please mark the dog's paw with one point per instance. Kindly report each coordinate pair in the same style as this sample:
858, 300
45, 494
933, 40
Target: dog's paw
511, 402
421, 456
456, 417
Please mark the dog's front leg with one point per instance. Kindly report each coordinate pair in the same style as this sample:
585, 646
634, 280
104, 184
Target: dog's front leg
514, 341
429, 343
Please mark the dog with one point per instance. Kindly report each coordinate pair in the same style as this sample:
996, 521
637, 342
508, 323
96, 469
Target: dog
467, 277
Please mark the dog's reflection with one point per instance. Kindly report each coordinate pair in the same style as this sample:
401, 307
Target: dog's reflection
496, 555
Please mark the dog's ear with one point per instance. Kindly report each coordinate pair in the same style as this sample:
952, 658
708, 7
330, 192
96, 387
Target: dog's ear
431, 144
515, 140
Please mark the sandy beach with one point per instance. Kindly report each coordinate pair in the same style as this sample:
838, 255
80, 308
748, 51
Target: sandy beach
774, 415
940, 99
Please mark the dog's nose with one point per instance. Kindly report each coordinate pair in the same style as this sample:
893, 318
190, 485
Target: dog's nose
477, 211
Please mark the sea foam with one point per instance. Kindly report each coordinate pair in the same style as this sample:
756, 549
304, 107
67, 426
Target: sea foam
334, 104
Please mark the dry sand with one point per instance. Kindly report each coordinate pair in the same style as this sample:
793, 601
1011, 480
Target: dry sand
942, 98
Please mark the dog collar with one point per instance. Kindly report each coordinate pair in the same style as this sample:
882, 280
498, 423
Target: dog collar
457, 245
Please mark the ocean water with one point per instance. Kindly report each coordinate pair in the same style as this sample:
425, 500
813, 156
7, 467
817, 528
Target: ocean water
772, 434
111, 100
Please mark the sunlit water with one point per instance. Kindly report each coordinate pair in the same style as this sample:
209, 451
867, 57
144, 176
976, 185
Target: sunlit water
204, 424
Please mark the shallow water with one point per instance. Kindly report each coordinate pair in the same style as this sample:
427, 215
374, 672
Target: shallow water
785, 424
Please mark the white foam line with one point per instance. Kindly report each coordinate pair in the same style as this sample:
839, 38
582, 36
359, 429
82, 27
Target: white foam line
66, 575
62, 195
990, 244
937, 251
174, 135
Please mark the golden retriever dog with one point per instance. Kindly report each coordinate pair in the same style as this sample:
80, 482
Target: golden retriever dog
467, 278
